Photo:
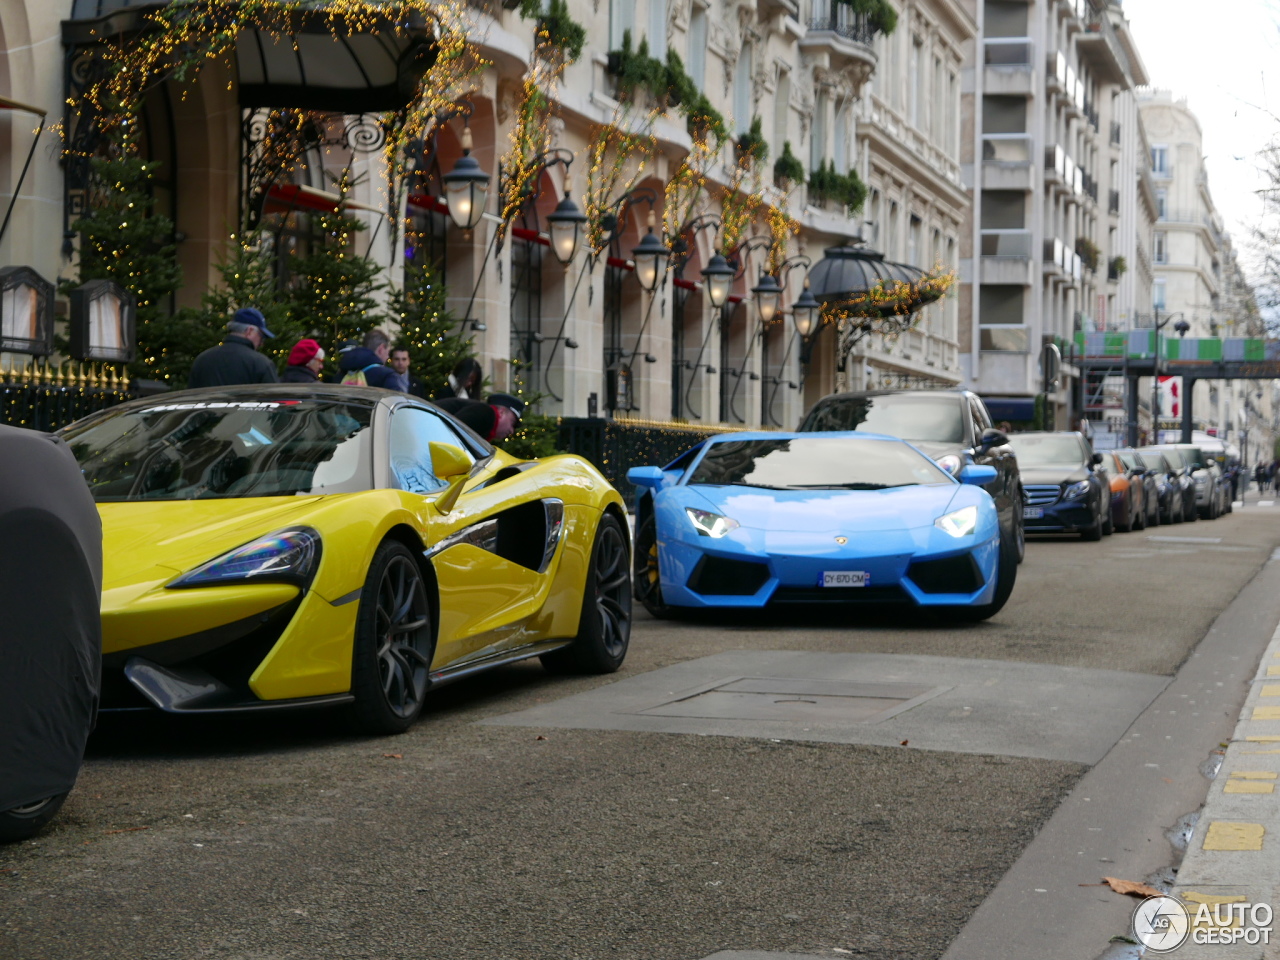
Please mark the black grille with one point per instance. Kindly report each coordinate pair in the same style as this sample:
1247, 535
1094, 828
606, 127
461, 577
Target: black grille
727, 578
1039, 494
889, 594
949, 575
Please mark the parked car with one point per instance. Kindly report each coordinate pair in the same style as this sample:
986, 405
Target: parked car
1182, 470
289, 546
1067, 489
1153, 489
951, 426
51, 635
1213, 495
751, 519
1169, 484
1128, 492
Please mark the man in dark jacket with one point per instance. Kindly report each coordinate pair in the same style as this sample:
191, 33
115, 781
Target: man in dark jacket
236, 359
367, 364
399, 362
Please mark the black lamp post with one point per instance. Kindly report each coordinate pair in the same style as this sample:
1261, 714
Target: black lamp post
26, 312
718, 275
647, 257
768, 297
466, 186
804, 313
565, 223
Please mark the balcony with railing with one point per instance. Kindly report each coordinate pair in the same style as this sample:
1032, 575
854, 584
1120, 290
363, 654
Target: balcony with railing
1113, 202
1007, 63
1115, 133
1061, 171
835, 29
1089, 184
1061, 262
1006, 257
1006, 161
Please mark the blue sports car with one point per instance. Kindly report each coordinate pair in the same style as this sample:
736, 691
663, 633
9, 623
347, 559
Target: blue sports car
749, 519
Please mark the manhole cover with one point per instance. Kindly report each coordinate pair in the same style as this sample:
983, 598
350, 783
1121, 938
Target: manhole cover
811, 701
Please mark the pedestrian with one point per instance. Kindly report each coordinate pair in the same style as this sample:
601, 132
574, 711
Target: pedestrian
399, 362
306, 360
236, 359
495, 419
465, 381
366, 365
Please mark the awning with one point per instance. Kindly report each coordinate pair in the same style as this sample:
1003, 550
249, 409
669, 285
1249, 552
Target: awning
285, 197
847, 274
1010, 408
7, 104
304, 64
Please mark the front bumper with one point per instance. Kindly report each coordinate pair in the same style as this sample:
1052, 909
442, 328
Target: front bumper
1063, 516
717, 573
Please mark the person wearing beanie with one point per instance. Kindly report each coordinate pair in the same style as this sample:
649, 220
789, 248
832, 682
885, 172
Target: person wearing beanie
495, 420
306, 360
236, 359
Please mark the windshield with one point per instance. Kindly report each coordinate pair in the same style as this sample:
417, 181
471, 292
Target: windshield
1130, 460
938, 419
1193, 457
816, 463
1050, 451
1154, 461
209, 450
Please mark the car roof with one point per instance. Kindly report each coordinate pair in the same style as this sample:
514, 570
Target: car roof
864, 394
266, 391
801, 435
1046, 433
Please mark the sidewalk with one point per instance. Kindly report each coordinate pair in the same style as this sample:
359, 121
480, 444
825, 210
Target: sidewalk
1234, 854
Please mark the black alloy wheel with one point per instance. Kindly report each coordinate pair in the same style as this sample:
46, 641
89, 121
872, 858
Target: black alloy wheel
25, 821
1020, 524
604, 627
1094, 530
391, 662
648, 579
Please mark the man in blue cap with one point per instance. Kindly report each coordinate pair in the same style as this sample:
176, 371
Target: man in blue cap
236, 359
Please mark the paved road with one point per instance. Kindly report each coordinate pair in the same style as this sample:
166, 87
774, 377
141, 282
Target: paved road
534, 817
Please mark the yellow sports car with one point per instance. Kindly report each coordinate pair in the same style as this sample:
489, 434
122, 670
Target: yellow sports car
285, 546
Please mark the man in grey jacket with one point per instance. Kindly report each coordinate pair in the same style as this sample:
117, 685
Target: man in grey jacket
236, 359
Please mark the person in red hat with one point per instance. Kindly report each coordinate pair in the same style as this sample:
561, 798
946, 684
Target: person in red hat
306, 360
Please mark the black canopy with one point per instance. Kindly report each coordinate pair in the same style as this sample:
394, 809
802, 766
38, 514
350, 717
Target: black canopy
847, 275
50, 630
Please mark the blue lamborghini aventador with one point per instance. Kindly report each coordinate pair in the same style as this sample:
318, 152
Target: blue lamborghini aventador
749, 519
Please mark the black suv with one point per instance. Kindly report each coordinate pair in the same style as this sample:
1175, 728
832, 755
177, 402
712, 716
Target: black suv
951, 426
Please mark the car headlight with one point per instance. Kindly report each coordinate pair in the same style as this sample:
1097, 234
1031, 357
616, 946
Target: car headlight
950, 463
710, 524
1076, 490
959, 523
288, 556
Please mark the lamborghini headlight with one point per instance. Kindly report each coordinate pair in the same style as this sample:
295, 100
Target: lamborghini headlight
710, 524
288, 556
959, 523
1076, 490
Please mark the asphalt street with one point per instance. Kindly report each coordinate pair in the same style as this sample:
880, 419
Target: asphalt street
486, 832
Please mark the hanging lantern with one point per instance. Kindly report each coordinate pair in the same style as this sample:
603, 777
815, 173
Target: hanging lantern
566, 227
768, 297
466, 186
804, 312
101, 322
719, 277
648, 255
26, 312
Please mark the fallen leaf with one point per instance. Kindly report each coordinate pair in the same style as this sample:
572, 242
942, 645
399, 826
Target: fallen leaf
539, 737
1131, 888
126, 829
393, 756
1119, 938
904, 743
1166, 780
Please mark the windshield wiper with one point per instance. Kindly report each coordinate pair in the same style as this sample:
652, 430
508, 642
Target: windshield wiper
737, 483
851, 486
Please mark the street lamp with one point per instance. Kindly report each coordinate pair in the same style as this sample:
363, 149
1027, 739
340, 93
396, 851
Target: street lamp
566, 227
466, 187
26, 312
719, 277
101, 322
648, 255
804, 312
768, 297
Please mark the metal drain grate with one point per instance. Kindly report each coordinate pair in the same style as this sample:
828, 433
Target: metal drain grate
808, 701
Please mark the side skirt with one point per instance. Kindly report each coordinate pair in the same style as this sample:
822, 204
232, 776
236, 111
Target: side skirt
503, 657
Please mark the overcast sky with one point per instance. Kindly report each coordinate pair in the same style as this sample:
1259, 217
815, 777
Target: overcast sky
1225, 59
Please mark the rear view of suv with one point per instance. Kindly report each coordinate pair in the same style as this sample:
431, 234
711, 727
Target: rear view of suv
951, 426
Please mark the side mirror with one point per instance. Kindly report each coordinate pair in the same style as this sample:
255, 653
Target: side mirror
991, 437
451, 464
977, 474
646, 476
1096, 459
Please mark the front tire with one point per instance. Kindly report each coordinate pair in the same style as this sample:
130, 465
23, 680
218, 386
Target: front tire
1006, 577
604, 628
647, 577
23, 822
391, 660
1094, 532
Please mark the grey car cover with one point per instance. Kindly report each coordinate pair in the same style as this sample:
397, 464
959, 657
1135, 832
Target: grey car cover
50, 618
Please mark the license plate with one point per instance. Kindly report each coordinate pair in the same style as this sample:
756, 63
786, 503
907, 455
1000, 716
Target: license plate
1032, 513
845, 578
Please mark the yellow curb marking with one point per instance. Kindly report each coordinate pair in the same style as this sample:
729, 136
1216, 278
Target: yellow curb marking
1210, 900
1263, 738
1270, 690
1273, 671
1266, 713
1225, 835
1248, 786
1253, 775
1247, 753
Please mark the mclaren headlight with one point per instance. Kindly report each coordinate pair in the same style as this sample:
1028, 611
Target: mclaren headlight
950, 463
286, 556
959, 523
710, 524
1076, 490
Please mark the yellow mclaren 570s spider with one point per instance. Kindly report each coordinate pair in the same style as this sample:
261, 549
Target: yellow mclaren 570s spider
269, 547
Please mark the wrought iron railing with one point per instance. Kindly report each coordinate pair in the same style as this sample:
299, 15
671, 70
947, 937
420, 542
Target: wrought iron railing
839, 19
41, 396
1113, 202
